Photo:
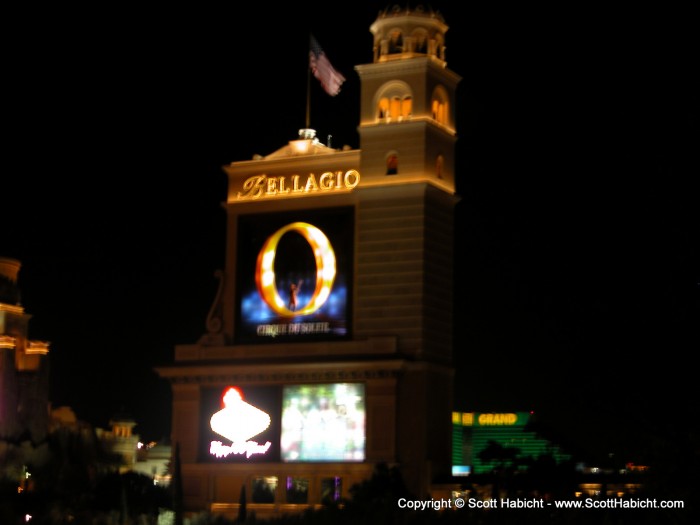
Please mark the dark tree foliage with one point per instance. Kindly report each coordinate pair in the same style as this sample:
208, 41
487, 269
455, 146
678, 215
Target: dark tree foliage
243, 508
77, 482
65, 483
503, 457
133, 494
176, 487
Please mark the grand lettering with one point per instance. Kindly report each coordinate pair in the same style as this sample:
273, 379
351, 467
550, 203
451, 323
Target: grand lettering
497, 419
262, 186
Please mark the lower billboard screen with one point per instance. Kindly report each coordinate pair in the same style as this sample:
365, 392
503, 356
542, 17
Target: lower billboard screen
323, 422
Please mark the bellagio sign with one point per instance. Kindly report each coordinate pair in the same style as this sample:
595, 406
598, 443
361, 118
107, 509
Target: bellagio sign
264, 186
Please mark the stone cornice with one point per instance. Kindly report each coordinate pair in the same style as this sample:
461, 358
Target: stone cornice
283, 373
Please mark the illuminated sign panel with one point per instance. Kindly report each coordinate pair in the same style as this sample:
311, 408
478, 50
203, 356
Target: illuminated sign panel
294, 276
490, 419
323, 422
461, 470
240, 424
265, 186
292, 423
508, 419
472, 433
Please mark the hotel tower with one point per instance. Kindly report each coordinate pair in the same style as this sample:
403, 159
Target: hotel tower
329, 345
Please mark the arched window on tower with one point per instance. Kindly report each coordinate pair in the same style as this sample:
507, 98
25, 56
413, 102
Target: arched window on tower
383, 108
439, 109
439, 166
394, 102
392, 163
421, 43
395, 107
439, 47
395, 42
407, 107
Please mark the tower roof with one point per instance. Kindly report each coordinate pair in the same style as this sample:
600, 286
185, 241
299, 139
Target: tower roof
9, 291
417, 10
407, 32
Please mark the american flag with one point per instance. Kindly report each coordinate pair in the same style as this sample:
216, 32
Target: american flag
322, 69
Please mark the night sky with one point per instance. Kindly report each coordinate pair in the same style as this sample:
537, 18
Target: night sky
577, 278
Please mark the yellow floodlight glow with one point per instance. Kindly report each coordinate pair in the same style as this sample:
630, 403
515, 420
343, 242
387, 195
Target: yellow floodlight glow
38, 347
7, 341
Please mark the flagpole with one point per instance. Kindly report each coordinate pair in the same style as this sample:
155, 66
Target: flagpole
308, 97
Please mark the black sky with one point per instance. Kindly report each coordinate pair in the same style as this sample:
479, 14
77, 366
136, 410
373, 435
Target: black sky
577, 252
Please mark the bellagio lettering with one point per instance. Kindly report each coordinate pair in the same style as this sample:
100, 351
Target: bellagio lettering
262, 186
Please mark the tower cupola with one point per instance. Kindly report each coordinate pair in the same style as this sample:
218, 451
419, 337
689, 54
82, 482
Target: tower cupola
405, 32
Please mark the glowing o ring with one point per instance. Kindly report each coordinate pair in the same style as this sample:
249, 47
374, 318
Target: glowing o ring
325, 269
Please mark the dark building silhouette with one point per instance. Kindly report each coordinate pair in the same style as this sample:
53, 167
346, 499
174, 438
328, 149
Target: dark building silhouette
24, 366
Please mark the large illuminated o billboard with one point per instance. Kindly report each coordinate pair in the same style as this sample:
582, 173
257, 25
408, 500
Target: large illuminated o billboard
294, 276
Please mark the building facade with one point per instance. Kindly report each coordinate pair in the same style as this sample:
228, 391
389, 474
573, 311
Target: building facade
475, 432
329, 345
24, 366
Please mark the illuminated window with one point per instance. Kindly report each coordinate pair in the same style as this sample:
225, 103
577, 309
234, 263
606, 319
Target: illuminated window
264, 489
439, 165
383, 108
392, 164
398, 107
438, 111
395, 107
394, 101
439, 106
297, 490
331, 489
406, 107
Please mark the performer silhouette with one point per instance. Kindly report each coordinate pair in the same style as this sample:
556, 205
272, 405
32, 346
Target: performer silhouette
293, 291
